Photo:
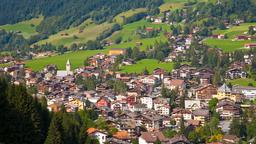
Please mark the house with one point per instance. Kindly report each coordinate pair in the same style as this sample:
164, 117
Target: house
243, 37
224, 92
250, 45
228, 109
179, 139
218, 36
177, 84
205, 92
116, 51
103, 102
161, 106
249, 92
138, 107
152, 137
201, 115
159, 73
192, 104
151, 120
178, 112
236, 73
99, 135
151, 80
148, 101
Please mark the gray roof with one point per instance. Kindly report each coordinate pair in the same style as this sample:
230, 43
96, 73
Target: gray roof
224, 88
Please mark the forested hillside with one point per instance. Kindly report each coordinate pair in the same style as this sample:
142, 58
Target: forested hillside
25, 120
61, 14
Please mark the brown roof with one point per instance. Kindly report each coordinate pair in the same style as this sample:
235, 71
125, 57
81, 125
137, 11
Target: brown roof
201, 112
179, 138
177, 82
152, 137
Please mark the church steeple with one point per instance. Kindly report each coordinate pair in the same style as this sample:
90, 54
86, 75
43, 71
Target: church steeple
68, 66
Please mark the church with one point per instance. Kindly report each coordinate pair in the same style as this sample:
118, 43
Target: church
64, 73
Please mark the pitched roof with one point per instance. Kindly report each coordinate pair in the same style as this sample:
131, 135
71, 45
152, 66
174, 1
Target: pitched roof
179, 138
151, 137
176, 82
224, 88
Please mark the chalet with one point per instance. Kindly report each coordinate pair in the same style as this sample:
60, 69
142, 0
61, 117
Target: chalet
250, 45
201, 115
137, 107
159, 73
205, 92
161, 106
218, 36
151, 120
151, 80
228, 109
236, 73
178, 112
152, 137
224, 92
243, 37
116, 51
103, 102
100, 135
249, 92
179, 139
192, 104
177, 84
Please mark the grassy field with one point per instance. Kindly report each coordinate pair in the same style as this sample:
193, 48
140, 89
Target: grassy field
235, 30
119, 17
129, 37
229, 44
226, 45
76, 59
26, 28
80, 34
150, 64
242, 82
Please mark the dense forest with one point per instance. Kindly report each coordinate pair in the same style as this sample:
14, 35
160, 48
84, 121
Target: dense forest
61, 14
26, 120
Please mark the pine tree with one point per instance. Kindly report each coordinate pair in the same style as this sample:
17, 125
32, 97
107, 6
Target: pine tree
55, 132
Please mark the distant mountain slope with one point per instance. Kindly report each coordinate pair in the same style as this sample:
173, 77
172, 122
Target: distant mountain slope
61, 14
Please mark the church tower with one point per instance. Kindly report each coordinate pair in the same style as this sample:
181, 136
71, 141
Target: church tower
68, 67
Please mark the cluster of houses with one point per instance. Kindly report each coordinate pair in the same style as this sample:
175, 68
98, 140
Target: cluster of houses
140, 112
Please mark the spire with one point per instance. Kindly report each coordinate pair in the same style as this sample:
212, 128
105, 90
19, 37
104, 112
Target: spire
68, 66
68, 62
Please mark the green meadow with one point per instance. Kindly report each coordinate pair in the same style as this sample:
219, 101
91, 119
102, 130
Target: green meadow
80, 34
129, 36
226, 45
76, 58
230, 44
242, 82
26, 28
149, 64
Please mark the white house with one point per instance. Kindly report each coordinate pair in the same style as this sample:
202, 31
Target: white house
99, 135
148, 101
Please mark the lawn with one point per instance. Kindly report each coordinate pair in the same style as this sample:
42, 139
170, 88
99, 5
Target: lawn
127, 14
150, 64
235, 30
76, 59
226, 45
242, 82
26, 28
80, 34
129, 37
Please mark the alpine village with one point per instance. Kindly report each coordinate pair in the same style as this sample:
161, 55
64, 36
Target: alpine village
128, 72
